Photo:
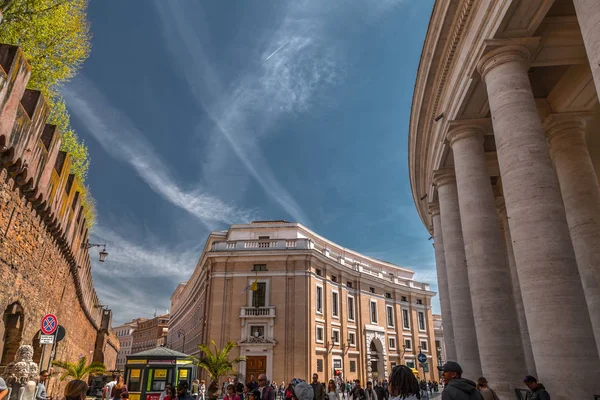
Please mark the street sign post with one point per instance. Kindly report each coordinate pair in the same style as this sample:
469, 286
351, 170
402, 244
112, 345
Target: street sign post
46, 339
49, 324
422, 358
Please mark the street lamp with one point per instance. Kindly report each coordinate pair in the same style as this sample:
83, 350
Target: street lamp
181, 333
102, 254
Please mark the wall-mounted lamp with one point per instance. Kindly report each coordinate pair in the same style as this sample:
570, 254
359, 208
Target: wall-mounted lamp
102, 255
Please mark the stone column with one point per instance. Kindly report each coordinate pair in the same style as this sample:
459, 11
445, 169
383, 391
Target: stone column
588, 16
581, 196
463, 324
442, 275
557, 315
489, 275
527, 351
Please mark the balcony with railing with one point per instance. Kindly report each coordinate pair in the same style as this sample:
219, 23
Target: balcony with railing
260, 312
262, 244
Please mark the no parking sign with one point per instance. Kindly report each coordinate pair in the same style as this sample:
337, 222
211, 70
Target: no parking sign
49, 324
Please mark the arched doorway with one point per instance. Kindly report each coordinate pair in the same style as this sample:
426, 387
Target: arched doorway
376, 360
12, 332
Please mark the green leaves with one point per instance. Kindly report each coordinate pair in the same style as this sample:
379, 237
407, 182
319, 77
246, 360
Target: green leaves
216, 362
79, 370
55, 37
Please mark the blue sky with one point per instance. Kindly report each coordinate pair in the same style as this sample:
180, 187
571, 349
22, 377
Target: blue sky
199, 114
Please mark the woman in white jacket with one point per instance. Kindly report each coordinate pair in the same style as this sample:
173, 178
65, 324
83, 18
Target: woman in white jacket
403, 385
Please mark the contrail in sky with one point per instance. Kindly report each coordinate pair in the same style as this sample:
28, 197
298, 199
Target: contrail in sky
279, 48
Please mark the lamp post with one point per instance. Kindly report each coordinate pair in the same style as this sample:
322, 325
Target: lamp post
102, 254
181, 333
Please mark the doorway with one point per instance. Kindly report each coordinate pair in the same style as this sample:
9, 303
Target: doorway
12, 324
255, 365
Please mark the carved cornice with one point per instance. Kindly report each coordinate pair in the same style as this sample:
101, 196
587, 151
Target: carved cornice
434, 209
465, 129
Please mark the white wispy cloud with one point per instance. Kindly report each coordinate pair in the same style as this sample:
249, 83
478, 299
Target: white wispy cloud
287, 71
128, 259
121, 139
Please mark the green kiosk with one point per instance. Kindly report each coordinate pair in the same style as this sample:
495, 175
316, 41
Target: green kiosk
147, 373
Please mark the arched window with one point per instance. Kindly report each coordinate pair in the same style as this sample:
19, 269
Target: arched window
12, 332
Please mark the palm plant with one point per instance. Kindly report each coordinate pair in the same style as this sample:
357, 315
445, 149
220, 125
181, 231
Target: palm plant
217, 364
79, 370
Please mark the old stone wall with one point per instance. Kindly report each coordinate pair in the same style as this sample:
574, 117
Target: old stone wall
44, 261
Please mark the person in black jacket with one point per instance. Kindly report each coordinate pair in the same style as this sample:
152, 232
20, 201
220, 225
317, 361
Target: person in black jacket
456, 387
537, 389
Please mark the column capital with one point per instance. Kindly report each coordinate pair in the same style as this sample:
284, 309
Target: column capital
462, 129
562, 125
434, 208
444, 176
502, 55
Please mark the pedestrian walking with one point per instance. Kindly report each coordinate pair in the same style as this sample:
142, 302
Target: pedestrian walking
332, 393
76, 390
403, 385
182, 391
106, 392
457, 388
202, 389
289, 392
266, 393
169, 395
319, 391
168, 388
231, 395
538, 391
118, 388
252, 384
370, 394
40, 390
357, 392
3, 389
486, 391
302, 390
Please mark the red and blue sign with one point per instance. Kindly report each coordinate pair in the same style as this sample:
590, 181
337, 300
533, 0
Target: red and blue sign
49, 324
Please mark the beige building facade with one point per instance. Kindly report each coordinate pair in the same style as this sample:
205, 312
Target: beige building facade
317, 307
125, 335
504, 155
150, 334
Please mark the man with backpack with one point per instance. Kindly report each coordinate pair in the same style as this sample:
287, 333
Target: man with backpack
357, 393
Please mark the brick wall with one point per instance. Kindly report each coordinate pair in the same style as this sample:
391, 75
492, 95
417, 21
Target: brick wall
44, 263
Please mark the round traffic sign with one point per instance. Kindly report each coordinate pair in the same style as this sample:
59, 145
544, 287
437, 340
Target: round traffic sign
49, 324
422, 358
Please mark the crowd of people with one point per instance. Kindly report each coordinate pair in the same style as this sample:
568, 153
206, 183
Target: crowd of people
402, 385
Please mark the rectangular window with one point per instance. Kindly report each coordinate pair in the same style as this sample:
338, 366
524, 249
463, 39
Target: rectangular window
421, 321
335, 311
264, 237
259, 267
319, 334
419, 301
352, 338
319, 299
407, 344
318, 272
349, 284
352, 365
423, 345
392, 343
390, 316
335, 336
403, 298
337, 363
333, 278
438, 347
405, 319
259, 295
320, 365
373, 312
410, 363
372, 289
388, 295
393, 364
350, 308
257, 331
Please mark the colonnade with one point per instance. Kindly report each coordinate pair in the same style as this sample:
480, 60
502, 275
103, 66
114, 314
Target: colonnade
519, 275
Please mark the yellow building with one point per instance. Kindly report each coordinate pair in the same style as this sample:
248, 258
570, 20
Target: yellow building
318, 307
